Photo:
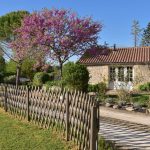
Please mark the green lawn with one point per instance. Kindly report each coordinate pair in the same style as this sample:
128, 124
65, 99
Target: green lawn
19, 135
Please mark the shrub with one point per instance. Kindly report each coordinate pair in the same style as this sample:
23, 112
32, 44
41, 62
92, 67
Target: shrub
76, 76
141, 100
99, 88
40, 78
93, 88
56, 73
27, 69
11, 67
124, 95
10, 79
1, 77
2, 68
145, 87
50, 84
102, 90
110, 100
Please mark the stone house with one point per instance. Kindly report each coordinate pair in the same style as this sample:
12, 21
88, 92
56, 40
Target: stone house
118, 67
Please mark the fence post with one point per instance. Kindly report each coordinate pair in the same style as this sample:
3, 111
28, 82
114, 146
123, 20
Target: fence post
94, 133
5, 105
28, 103
98, 121
67, 116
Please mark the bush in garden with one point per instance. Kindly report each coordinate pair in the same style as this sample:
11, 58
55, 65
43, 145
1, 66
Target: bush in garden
2, 68
102, 90
1, 76
10, 79
27, 69
11, 68
51, 75
40, 78
124, 95
93, 88
110, 100
99, 88
56, 73
76, 76
142, 100
145, 87
50, 84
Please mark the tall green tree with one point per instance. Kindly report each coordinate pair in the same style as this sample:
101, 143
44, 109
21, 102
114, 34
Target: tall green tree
146, 36
8, 24
136, 32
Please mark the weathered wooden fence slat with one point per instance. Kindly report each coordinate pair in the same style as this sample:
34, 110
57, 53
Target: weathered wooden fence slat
75, 112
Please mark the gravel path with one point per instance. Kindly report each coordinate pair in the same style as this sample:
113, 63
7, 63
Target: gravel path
134, 117
129, 130
125, 135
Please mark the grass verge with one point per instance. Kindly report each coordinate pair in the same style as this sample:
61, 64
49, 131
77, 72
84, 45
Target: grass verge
21, 135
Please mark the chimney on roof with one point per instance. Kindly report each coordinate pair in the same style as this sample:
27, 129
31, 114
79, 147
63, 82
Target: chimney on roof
114, 47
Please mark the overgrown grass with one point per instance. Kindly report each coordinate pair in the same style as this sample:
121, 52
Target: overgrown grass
19, 135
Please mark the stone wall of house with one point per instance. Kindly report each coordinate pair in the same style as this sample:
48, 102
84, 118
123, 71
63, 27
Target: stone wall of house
98, 74
141, 74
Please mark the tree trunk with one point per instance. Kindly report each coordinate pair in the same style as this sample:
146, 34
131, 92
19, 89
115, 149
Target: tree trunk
61, 72
135, 41
61, 75
18, 75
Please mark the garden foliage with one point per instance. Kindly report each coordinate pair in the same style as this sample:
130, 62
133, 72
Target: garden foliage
99, 88
40, 78
75, 76
145, 87
2, 68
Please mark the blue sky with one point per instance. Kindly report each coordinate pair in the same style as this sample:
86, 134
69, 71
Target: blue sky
115, 15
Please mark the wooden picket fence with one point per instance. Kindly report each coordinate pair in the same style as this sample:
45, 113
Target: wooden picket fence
75, 112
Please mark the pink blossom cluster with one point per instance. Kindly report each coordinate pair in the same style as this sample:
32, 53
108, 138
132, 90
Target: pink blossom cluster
60, 34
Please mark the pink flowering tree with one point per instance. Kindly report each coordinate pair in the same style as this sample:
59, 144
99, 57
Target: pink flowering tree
58, 34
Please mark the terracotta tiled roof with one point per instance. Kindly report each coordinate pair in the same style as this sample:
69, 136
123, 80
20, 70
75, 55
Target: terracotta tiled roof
119, 55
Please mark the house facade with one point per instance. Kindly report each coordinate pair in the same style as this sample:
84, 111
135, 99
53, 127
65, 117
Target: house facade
119, 67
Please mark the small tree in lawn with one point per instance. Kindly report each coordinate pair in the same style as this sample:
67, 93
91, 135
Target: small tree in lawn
60, 34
